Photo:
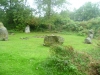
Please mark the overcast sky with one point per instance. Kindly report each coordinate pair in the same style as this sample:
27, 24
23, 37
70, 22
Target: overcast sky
77, 3
74, 3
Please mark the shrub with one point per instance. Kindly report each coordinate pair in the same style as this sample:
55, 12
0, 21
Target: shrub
83, 32
94, 68
64, 60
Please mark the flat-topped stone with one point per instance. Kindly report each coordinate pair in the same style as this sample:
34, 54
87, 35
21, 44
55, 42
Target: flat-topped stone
52, 39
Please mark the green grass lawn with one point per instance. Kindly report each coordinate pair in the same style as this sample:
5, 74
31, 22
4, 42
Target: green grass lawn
22, 56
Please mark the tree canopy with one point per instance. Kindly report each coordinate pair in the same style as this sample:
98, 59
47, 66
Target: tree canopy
53, 15
15, 12
48, 6
87, 11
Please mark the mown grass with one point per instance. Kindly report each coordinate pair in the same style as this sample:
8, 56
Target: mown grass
22, 53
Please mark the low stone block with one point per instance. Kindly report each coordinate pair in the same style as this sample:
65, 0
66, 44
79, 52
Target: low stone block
51, 40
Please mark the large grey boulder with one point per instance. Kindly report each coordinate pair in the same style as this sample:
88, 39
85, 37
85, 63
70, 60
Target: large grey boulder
51, 40
88, 40
91, 36
3, 32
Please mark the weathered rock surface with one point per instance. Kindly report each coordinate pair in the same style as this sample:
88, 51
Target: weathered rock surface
88, 40
27, 29
3, 32
51, 40
91, 34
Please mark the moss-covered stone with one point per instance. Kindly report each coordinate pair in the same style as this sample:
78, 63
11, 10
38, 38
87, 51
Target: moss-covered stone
50, 40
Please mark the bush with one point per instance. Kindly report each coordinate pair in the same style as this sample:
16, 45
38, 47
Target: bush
95, 68
64, 60
83, 32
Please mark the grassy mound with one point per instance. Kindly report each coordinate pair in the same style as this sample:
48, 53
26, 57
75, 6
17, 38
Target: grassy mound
64, 60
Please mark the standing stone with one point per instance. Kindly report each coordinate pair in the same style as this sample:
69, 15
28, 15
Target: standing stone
51, 40
90, 34
3, 32
88, 40
27, 29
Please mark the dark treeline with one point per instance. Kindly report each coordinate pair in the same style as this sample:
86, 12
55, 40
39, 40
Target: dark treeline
16, 14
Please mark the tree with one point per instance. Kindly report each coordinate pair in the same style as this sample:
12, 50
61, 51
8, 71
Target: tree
48, 9
87, 11
48, 6
17, 12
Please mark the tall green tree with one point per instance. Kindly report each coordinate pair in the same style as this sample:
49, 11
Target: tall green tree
48, 6
17, 13
48, 9
87, 11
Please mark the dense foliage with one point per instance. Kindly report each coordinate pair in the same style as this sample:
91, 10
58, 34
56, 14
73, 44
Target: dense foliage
16, 14
60, 62
47, 7
87, 11
64, 60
